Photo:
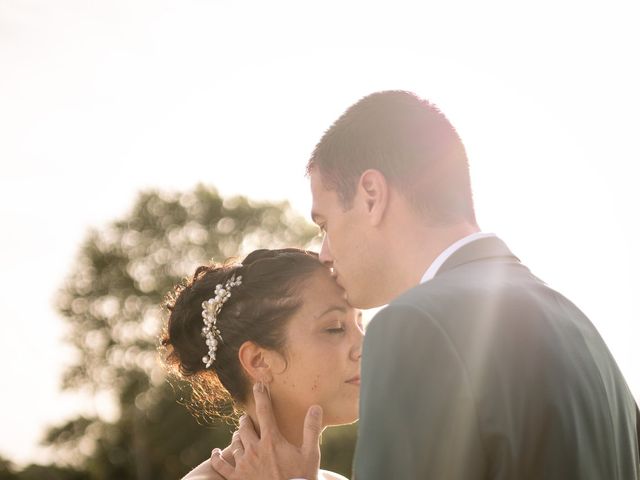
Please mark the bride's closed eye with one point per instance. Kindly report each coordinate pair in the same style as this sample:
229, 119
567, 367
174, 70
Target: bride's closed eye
335, 329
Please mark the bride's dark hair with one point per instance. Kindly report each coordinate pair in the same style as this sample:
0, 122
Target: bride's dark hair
257, 311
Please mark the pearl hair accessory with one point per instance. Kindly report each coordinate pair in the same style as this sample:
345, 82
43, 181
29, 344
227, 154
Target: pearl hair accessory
210, 310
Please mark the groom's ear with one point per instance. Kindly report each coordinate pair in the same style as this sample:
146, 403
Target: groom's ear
257, 362
374, 190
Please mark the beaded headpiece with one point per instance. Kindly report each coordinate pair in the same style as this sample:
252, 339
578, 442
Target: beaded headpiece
210, 310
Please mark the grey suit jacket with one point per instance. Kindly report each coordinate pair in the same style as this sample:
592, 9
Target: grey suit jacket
485, 372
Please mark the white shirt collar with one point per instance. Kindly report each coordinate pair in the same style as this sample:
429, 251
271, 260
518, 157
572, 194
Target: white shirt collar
440, 259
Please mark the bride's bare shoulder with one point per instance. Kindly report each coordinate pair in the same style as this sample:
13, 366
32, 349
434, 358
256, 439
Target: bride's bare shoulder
204, 471
327, 475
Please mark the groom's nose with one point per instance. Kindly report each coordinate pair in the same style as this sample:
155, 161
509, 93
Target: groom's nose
325, 253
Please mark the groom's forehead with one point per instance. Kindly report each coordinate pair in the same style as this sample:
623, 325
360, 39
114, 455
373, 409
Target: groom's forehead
319, 196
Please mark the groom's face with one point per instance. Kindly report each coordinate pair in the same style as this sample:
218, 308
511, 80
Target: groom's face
345, 245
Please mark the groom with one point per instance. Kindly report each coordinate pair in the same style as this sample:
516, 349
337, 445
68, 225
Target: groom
476, 369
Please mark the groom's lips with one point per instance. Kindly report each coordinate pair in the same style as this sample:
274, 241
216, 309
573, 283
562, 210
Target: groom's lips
354, 381
337, 279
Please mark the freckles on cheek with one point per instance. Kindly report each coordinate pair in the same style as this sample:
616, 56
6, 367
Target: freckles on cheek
316, 383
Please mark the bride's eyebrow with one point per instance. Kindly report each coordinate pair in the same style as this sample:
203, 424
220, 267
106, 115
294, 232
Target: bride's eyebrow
332, 309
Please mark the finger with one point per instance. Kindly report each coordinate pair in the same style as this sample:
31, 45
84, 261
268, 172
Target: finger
236, 441
227, 455
220, 465
246, 433
312, 431
264, 411
237, 453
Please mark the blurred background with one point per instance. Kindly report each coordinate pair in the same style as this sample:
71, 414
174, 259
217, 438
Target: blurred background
139, 138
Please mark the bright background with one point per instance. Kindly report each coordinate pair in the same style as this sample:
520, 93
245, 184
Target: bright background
99, 99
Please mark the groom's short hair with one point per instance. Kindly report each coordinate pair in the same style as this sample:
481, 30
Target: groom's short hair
410, 142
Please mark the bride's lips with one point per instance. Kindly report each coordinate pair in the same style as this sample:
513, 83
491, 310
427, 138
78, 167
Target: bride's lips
354, 381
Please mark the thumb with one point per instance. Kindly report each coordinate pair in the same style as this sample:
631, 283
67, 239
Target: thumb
312, 432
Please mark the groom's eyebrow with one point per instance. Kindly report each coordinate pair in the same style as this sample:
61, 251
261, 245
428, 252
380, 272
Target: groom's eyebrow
332, 309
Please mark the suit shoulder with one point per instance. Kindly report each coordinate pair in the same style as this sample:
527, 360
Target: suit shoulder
425, 296
474, 284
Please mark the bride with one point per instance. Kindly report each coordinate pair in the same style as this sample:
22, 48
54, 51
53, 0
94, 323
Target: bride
278, 320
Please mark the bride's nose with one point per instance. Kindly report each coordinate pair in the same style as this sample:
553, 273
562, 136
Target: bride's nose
356, 349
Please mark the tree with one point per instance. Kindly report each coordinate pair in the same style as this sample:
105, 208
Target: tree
38, 472
111, 302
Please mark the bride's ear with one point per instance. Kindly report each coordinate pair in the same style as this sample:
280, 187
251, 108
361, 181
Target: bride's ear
257, 362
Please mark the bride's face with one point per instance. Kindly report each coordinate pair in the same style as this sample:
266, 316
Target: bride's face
323, 349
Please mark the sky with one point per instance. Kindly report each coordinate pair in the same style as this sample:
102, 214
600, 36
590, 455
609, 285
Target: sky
102, 99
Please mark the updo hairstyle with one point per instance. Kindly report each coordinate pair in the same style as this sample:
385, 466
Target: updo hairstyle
257, 311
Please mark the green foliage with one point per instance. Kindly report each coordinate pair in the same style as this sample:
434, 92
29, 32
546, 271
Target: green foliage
112, 304
39, 472
7, 471
337, 447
